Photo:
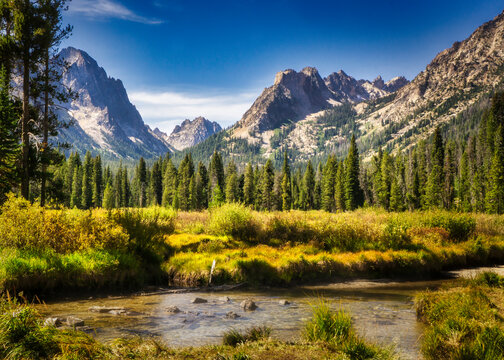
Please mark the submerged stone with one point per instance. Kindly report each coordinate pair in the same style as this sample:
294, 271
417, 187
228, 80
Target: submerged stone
248, 305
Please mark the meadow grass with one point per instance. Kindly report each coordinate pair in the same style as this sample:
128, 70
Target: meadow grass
286, 248
464, 320
44, 249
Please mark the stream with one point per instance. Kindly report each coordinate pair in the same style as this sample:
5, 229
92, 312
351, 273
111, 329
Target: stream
382, 311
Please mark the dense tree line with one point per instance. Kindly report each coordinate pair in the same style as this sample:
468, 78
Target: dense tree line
434, 174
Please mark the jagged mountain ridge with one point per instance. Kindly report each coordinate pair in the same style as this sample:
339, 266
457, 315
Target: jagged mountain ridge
189, 133
295, 95
104, 120
457, 79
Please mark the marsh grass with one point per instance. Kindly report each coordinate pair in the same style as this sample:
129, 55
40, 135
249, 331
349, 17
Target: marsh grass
335, 328
234, 337
464, 320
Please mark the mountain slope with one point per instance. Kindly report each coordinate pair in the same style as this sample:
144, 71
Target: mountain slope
458, 79
104, 119
189, 133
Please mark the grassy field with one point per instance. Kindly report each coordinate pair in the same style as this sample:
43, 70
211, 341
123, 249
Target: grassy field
44, 251
286, 248
328, 335
464, 320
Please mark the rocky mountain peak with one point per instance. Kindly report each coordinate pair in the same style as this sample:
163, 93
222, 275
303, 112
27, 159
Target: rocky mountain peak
190, 133
292, 96
105, 120
378, 82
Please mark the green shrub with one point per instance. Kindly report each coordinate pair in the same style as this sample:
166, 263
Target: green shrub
233, 220
146, 228
395, 235
27, 226
460, 227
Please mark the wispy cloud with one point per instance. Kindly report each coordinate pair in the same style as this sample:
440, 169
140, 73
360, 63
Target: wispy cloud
108, 9
167, 109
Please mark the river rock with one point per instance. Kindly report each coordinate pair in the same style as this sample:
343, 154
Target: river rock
198, 300
74, 321
106, 309
224, 299
284, 302
232, 315
54, 321
248, 305
171, 309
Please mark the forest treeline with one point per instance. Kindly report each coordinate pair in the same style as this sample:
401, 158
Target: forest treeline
433, 174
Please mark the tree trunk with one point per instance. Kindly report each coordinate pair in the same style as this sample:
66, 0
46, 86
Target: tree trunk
25, 181
45, 129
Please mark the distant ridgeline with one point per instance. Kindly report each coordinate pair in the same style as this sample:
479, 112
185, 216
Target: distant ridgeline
435, 173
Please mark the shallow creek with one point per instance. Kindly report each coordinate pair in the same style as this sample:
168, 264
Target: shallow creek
382, 311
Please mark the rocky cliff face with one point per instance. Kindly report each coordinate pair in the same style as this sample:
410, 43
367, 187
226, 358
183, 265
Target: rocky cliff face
455, 79
189, 133
293, 96
348, 89
104, 119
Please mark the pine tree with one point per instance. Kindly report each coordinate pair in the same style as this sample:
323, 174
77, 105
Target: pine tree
495, 194
141, 183
248, 186
339, 187
202, 183
286, 184
386, 181
87, 182
118, 186
186, 172
463, 184
307, 188
435, 181
267, 182
76, 198
108, 197
126, 189
170, 184
156, 184
97, 182
217, 174
328, 199
9, 145
353, 191
232, 188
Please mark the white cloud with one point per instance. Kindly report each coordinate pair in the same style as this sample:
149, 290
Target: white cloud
108, 9
167, 109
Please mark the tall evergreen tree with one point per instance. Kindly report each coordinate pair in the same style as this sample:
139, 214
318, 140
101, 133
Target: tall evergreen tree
328, 198
156, 183
170, 184
87, 182
9, 145
202, 183
307, 189
267, 182
217, 174
495, 194
97, 181
248, 186
353, 191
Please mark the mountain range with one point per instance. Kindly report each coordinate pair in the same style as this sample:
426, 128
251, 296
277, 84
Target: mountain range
301, 112
105, 122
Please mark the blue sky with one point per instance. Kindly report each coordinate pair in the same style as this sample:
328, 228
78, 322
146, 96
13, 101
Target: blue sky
181, 59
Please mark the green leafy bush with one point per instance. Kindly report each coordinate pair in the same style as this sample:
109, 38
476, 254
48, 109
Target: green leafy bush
233, 220
460, 227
